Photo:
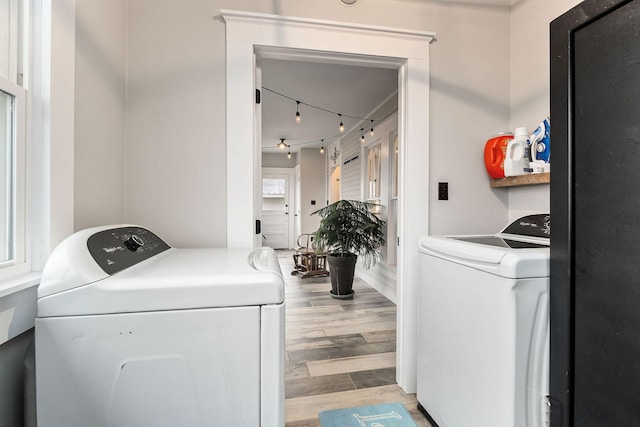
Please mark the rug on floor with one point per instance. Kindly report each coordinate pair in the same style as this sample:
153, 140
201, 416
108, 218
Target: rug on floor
384, 415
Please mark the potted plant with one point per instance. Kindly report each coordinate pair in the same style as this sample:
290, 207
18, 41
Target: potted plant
349, 229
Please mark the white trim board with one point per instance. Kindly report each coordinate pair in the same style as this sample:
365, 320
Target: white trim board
250, 34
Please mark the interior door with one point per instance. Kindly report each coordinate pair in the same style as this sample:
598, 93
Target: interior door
276, 205
595, 296
607, 295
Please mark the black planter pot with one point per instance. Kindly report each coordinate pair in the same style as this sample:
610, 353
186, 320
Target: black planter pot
342, 269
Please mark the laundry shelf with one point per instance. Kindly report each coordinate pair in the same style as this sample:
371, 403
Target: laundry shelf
514, 181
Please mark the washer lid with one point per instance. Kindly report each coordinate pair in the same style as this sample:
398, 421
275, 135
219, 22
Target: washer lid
494, 258
177, 279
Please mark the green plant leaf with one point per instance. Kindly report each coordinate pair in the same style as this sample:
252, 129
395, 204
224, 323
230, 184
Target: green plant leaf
350, 227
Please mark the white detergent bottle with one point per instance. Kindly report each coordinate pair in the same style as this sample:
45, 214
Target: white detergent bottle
515, 160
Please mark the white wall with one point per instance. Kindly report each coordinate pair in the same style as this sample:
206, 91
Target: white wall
279, 160
175, 151
383, 275
469, 103
174, 164
100, 107
529, 88
175, 154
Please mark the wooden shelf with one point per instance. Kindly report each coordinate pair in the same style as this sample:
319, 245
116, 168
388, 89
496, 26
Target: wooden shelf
529, 179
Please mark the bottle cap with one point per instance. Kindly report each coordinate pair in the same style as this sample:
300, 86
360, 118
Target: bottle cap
522, 132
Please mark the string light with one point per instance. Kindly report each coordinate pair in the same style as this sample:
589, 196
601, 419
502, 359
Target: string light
299, 118
336, 137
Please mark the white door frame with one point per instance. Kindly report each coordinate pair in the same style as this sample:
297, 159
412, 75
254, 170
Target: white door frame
248, 33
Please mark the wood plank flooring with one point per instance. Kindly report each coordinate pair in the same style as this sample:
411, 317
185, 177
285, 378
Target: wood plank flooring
339, 353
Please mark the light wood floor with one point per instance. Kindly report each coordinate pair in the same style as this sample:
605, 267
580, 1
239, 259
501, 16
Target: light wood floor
339, 353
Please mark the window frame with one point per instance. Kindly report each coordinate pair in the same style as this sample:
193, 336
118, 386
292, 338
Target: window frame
19, 264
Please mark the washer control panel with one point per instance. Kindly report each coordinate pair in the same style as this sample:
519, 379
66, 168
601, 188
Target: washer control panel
119, 248
538, 225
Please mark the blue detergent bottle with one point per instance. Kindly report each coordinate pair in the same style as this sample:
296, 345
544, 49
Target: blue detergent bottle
541, 147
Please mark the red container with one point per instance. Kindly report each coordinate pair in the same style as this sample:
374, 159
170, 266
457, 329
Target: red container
495, 151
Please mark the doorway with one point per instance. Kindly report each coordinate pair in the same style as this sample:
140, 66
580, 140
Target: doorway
248, 34
277, 205
334, 184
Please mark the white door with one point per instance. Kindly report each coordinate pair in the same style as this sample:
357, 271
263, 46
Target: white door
276, 205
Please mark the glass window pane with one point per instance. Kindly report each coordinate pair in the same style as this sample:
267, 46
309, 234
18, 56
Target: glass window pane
5, 39
7, 137
373, 172
273, 186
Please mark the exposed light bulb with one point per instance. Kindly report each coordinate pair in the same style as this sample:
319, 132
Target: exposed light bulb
341, 127
281, 144
322, 150
362, 133
372, 128
289, 155
298, 118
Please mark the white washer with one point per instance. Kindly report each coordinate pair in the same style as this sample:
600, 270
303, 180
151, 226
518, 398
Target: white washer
483, 327
131, 332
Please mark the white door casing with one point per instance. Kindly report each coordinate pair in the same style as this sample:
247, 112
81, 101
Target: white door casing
297, 226
257, 159
276, 36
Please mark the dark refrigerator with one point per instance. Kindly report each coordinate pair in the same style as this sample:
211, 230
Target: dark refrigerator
595, 206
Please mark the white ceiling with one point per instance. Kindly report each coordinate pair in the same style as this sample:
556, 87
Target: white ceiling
349, 90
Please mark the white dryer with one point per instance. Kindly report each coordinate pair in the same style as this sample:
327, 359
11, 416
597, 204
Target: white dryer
131, 332
483, 327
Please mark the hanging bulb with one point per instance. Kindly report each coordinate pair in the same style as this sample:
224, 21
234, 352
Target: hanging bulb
372, 128
322, 148
362, 133
289, 155
341, 127
281, 144
298, 118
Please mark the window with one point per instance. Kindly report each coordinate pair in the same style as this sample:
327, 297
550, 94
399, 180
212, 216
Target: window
13, 259
394, 167
12, 167
373, 173
273, 187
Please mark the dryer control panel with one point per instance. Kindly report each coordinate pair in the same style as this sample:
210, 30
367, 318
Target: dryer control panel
119, 248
